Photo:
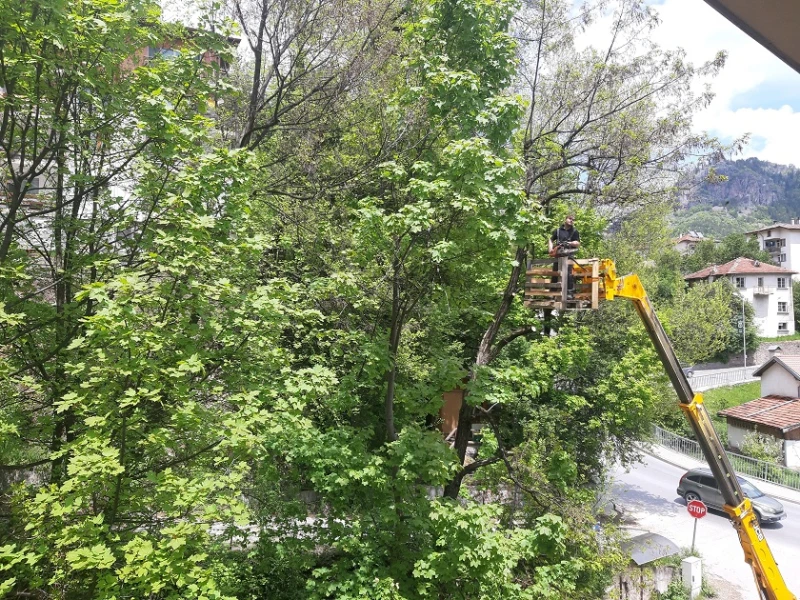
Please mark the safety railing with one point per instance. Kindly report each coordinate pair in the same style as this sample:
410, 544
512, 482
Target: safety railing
743, 465
729, 377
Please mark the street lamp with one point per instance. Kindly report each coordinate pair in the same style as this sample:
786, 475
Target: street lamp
744, 343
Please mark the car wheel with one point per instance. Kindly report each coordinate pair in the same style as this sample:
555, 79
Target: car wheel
691, 496
759, 520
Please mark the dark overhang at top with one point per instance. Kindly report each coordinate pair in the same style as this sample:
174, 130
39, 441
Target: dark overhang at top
772, 23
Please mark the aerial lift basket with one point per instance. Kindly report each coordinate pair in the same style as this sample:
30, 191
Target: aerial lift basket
547, 288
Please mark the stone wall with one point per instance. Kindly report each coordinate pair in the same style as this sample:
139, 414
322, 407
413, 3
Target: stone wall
791, 348
642, 583
761, 356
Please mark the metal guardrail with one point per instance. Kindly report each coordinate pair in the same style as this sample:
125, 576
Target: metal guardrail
729, 377
744, 465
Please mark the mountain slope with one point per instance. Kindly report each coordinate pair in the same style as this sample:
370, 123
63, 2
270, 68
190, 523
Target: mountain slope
753, 193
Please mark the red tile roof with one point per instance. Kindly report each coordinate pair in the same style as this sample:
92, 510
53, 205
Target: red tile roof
690, 238
740, 266
780, 412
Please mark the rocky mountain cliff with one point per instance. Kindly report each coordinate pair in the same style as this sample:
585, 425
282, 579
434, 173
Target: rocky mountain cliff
752, 193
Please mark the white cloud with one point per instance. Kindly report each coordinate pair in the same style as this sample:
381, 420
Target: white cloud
702, 32
756, 92
774, 131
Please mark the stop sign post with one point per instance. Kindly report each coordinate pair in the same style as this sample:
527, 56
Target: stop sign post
698, 510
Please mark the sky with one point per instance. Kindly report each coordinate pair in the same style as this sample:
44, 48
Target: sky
756, 92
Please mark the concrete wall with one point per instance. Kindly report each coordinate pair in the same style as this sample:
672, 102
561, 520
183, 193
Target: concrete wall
765, 304
791, 249
792, 252
736, 436
761, 356
642, 583
791, 450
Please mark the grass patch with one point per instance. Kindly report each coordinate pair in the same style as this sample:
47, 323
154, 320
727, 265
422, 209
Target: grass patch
781, 338
719, 399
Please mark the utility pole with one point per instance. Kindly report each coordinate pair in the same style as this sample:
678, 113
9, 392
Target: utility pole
744, 342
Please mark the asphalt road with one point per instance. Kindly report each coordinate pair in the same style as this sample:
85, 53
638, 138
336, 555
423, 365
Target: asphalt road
647, 494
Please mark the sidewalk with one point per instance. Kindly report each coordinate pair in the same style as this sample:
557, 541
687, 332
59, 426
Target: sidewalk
686, 462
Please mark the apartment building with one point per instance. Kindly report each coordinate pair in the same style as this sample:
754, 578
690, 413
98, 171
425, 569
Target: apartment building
782, 241
766, 287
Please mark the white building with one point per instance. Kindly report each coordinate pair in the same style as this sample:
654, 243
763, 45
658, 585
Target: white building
782, 241
766, 287
776, 413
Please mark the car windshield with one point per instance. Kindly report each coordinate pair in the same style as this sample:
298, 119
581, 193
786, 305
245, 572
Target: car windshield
749, 489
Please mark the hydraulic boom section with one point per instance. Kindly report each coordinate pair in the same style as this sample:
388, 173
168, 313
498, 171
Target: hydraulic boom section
756, 550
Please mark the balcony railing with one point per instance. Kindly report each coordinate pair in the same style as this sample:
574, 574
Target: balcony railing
763, 291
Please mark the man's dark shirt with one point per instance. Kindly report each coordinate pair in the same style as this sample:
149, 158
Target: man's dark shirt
565, 235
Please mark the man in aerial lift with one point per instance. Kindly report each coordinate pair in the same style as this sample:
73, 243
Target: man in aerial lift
565, 241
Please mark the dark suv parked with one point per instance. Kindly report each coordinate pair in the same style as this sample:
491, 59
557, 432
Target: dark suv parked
699, 484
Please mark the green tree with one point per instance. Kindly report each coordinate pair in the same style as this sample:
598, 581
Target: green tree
738, 245
699, 320
591, 139
405, 263
796, 301
703, 255
735, 245
142, 355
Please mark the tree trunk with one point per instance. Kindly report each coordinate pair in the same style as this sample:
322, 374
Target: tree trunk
484, 356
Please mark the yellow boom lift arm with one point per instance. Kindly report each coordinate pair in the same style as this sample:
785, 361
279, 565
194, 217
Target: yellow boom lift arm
546, 288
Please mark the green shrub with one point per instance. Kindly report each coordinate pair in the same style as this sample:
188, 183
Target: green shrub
762, 447
675, 591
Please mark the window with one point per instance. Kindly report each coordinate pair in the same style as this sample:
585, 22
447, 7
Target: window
781, 258
783, 243
761, 282
739, 282
708, 481
153, 51
783, 327
32, 187
782, 307
781, 283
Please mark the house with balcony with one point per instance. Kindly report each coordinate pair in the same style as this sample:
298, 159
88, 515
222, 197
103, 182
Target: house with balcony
766, 287
782, 241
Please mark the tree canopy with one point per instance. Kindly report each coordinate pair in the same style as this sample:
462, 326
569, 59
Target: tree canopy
236, 287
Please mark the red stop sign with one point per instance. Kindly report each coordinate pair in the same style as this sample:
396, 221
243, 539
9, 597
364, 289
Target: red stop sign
697, 509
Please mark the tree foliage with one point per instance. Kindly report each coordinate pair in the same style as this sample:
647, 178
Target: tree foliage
228, 333
736, 245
